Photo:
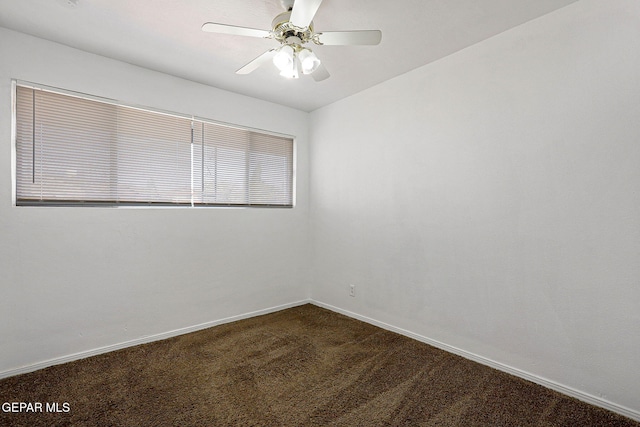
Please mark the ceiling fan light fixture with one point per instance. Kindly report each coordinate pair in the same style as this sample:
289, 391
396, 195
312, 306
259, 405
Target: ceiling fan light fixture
291, 73
293, 29
294, 71
285, 58
309, 62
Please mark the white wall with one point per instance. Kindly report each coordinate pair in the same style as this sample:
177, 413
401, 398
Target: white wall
77, 279
491, 200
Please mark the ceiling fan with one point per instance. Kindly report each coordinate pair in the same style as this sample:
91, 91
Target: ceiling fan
293, 29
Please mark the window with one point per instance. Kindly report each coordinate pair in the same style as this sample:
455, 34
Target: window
72, 149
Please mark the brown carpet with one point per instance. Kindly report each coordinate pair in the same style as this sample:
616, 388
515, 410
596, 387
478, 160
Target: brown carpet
304, 366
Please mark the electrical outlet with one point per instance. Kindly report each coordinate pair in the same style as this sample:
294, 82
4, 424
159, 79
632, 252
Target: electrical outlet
352, 290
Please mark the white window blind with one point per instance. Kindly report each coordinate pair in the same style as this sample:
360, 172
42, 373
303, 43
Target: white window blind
71, 150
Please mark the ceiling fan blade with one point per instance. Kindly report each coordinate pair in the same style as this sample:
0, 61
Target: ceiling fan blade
212, 27
320, 73
303, 12
364, 37
258, 62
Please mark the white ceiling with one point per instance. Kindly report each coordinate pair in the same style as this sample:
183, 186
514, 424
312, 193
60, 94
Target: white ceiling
165, 35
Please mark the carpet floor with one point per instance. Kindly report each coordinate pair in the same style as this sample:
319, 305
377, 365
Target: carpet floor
304, 366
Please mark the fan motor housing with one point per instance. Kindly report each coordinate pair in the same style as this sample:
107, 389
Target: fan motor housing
283, 29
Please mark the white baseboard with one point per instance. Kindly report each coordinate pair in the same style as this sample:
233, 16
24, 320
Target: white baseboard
569, 391
144, 340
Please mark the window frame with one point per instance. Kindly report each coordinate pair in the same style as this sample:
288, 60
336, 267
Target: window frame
195, 120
